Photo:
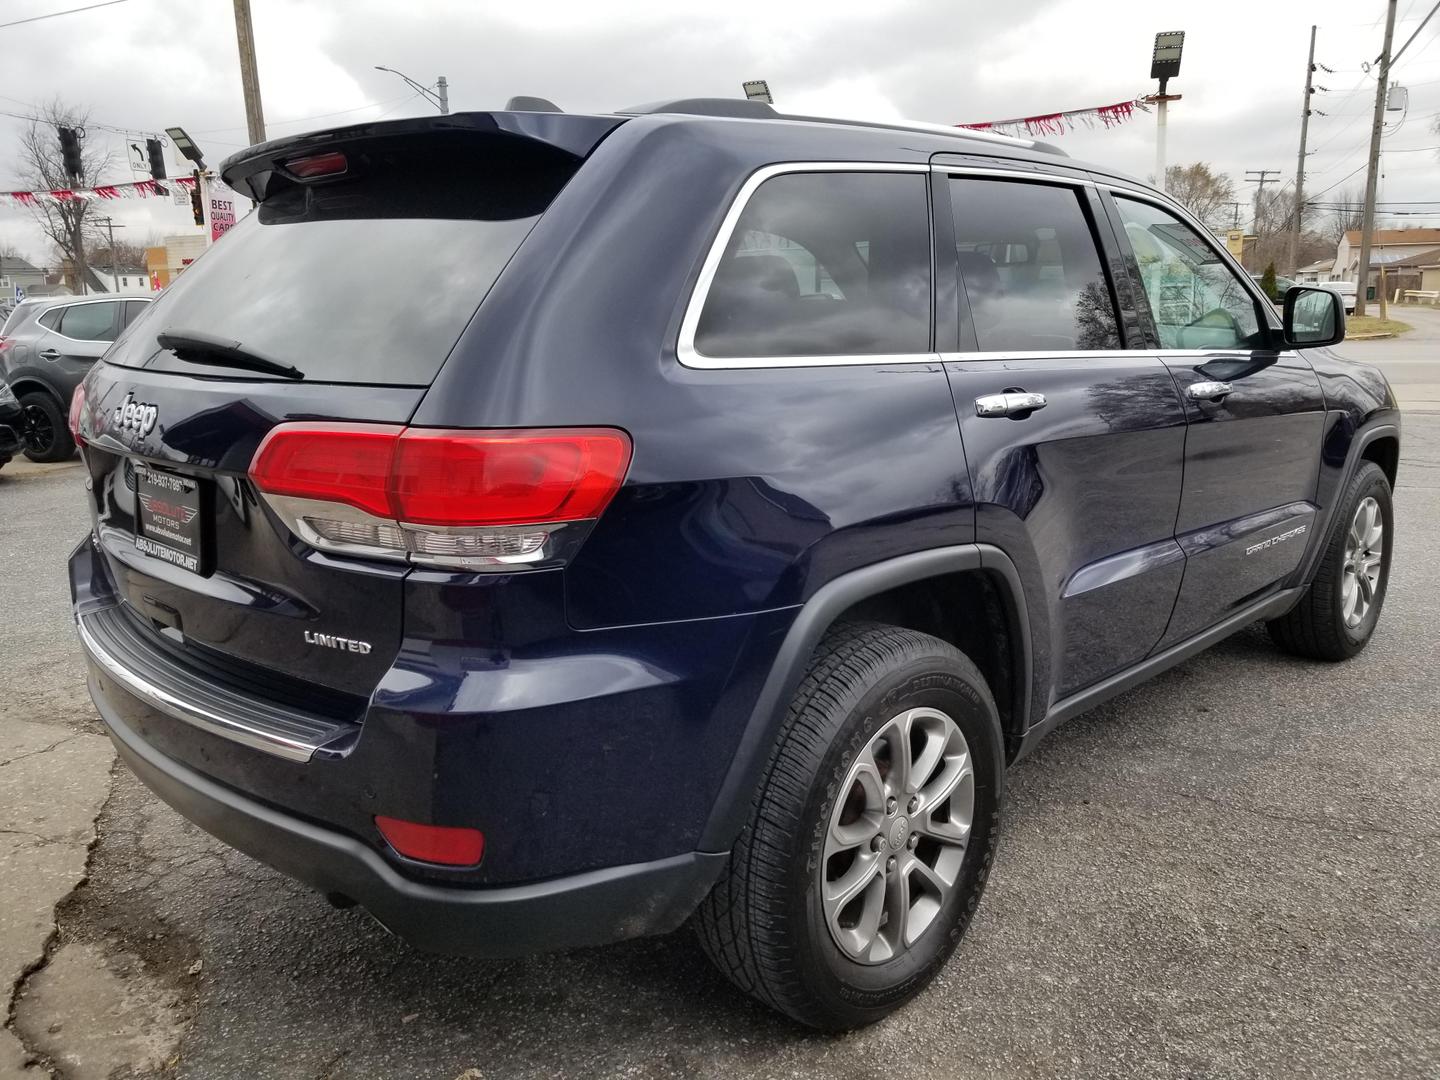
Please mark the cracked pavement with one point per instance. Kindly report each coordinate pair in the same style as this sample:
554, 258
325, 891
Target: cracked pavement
1231, 871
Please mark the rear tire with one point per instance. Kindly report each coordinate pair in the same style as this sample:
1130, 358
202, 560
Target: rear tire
46, 428
1328, 623
779, 924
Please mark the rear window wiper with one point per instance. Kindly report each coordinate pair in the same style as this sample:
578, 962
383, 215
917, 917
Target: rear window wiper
198, 348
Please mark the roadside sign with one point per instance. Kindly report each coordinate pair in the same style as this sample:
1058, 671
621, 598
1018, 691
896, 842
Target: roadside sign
19, 293
138, 161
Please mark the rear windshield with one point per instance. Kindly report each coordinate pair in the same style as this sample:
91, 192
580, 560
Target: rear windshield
370, 280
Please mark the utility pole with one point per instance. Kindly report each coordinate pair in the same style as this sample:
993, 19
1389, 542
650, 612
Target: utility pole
1290, 262
444, 88
249, 76
1372, 175
110, 228
1259, 177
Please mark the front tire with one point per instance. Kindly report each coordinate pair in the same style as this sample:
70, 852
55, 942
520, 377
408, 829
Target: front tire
1336, 617
46, 431
871, 836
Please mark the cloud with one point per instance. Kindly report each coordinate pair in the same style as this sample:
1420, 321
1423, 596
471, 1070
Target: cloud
149, 64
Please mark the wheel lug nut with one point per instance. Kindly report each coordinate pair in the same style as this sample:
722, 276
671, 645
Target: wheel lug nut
890, 804
890, 865
914, 803
878, 844
914, 839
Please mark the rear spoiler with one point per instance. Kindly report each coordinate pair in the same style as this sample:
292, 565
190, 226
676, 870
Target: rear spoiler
252, 170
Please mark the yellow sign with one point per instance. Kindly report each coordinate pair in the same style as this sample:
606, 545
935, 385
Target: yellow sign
1235, 242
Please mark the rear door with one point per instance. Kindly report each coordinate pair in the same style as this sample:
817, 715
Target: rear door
1255, 411
1079, 483
362, 284
74, 337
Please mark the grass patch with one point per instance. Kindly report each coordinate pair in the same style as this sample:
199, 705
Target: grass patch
1370, 324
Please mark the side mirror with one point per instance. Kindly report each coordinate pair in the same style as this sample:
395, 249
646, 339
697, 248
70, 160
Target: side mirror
1313, 317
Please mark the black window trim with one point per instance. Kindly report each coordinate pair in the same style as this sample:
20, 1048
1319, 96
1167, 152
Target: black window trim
1101, 234
1264, 310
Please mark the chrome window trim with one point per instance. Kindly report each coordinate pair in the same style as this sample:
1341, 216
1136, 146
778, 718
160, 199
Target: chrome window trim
685, 350
1059, 179
118, 298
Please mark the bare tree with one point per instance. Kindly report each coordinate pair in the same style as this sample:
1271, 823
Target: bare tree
1349, 213
1204, 192
42, 168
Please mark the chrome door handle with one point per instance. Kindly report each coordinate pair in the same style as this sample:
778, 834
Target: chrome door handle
1207, 391
50, 354
1010, 403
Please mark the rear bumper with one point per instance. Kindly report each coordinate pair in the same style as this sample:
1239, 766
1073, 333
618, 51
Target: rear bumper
591, 908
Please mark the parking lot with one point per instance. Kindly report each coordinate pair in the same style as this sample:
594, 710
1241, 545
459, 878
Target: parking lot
1231, 871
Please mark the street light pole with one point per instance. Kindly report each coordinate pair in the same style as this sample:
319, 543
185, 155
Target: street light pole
441, 100
1164, 65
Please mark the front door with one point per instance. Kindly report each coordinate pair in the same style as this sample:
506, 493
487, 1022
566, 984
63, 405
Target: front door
1255, 412
1075, 445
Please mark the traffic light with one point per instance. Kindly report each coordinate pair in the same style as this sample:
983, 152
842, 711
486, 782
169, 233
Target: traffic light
157, 158
70, 152
197, 201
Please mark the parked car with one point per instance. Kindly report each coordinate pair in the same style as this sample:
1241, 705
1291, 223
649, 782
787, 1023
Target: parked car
46, 347
702, 525
1344, 289
11, 417
1282, 286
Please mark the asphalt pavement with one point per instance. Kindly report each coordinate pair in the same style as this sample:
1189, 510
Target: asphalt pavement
1231, 871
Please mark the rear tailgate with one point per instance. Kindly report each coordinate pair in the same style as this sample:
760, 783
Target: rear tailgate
360, 278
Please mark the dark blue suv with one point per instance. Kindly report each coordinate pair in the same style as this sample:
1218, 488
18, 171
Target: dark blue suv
543, 529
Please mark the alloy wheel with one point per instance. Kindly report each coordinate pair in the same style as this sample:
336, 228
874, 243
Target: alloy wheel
1364, 551
37, 431
897, 835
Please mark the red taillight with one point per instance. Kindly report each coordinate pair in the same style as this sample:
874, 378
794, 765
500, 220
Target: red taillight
506, 477
344, 463
318, 165
441, 844
77, 406
458, 498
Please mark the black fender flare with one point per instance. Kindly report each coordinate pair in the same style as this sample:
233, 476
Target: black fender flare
24, 381
731, 808
1372, 429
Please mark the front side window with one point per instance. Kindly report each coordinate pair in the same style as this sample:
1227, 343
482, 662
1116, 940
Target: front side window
824, 264
1195, 299
1031, 271
89, 322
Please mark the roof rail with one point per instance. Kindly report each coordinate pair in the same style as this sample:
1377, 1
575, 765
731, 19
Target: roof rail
760, 110
701, 106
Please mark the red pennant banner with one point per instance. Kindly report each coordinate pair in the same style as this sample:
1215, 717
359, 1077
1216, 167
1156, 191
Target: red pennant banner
140, 189
1058, 123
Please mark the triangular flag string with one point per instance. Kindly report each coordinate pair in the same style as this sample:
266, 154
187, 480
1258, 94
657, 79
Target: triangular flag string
140, 189
1058, 123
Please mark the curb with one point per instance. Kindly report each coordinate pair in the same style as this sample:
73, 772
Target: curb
1371, 337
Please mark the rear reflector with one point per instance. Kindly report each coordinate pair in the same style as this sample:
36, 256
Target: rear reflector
77, 406
440, 844
473, 499
318, 165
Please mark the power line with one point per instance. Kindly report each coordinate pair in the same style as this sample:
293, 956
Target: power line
57, 14
1396, 58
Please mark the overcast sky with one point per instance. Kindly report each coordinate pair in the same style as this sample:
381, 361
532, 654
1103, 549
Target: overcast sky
144, 65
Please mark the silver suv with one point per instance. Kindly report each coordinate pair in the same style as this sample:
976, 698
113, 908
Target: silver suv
46, 347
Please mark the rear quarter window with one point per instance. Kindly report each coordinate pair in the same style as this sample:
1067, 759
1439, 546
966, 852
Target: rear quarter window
824, 264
